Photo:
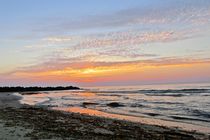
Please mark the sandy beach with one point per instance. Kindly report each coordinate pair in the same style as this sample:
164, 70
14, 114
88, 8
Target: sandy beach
27, 122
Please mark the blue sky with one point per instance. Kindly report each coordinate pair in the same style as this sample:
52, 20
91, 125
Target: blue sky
69, 34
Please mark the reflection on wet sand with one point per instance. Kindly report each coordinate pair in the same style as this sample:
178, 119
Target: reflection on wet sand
142, 120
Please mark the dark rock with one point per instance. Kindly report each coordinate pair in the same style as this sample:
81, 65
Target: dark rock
84, 104
152, 114
115, 104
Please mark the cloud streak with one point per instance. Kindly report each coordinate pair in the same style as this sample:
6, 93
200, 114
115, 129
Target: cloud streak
92, 72
177, 13
59, 65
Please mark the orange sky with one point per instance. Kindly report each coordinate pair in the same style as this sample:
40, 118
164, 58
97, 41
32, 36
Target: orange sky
104, 43
125, 73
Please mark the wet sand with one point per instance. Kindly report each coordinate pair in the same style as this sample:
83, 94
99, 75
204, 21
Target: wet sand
136, 119
28, 122
10, 100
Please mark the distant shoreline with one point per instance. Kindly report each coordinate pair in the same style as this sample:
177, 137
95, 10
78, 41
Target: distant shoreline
29, 89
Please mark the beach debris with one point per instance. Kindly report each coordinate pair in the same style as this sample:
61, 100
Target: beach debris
103, 131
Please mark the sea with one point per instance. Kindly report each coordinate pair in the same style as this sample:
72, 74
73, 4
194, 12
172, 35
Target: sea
184, 106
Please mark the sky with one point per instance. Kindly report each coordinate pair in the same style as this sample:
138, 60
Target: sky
104, 43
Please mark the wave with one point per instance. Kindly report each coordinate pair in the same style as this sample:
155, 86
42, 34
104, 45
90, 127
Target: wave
197, 112
166, 94
137, 105
188, 118
177, 91
155, 91
117, 95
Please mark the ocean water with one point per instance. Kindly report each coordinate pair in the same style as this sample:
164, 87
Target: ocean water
185, 105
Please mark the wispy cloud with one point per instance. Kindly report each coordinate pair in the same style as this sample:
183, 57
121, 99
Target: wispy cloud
115, 42
105, 47
174, 13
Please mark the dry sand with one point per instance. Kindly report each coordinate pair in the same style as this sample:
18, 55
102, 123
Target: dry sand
8, 131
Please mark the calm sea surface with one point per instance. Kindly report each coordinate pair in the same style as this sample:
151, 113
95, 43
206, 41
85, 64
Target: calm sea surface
186, 106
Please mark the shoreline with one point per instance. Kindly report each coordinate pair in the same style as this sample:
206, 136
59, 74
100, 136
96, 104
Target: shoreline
37, 122
136, 119
59, 124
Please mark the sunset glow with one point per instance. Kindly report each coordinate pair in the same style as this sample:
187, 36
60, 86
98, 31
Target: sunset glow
126, 44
